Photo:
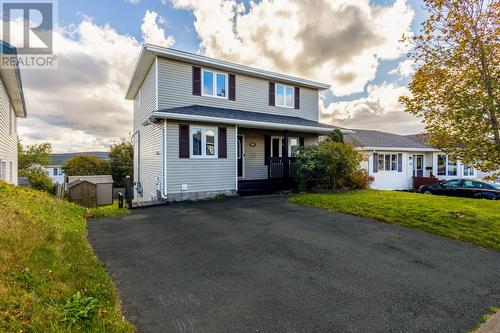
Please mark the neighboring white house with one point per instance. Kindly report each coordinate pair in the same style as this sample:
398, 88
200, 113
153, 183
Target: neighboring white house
12, 106
204, 126
54, 169
393, 160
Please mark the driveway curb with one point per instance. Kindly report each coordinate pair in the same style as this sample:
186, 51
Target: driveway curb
491, 326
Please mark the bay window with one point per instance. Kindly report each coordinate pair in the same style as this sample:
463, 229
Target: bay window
214, 84
468, 171
445, 166
203, 142
388, 162
285, 96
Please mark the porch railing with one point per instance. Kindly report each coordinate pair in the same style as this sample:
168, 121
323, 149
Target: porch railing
419, 181
281, 167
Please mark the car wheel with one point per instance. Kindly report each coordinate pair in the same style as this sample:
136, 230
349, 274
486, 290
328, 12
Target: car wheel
427, 192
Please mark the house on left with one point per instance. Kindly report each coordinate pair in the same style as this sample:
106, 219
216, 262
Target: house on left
12, 106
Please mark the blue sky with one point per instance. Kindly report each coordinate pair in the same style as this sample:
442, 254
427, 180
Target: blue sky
368, 101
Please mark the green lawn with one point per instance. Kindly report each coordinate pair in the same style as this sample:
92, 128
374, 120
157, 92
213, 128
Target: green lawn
111, 210
50, 280
471, 220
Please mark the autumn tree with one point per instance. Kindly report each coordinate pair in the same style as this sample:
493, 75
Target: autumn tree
455, 89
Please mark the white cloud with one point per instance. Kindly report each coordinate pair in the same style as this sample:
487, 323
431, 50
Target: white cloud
134, 2
81, 105
405, 69
340, 42
152, 33
380, 110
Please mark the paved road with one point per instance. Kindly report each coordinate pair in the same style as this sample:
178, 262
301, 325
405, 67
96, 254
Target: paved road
263, 265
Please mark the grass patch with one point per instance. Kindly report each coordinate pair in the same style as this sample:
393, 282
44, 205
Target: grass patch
110, 210
471, 220
50, 280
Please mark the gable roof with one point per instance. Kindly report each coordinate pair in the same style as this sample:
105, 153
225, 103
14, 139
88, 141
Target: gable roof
240, 118
59, 159
149, 52
11, 78
376, 139
101, 179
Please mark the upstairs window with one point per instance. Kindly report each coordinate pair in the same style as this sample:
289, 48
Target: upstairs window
285, 96
214, 84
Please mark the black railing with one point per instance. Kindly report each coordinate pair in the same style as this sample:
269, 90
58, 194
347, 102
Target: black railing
281, 167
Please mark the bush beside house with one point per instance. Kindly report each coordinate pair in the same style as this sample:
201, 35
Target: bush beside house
331, 165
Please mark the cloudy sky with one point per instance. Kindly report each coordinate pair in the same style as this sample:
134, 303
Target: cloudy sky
351, 44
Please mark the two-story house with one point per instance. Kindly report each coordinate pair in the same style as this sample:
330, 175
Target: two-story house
12, 106
204, 127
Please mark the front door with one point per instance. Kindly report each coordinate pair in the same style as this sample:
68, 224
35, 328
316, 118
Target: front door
418, 165
241, 154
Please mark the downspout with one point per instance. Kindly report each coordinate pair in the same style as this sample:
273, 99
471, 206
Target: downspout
163, 192
138, 181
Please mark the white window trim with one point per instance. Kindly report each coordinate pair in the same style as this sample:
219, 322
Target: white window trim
214, 83
203, 142
281, 145
471, 168
284, 96
390, 170
242, 156
446, 167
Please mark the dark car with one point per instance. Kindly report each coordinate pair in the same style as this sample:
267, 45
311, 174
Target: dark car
467, 188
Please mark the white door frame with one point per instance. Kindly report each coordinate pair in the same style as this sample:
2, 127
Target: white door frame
242, 156
414, 171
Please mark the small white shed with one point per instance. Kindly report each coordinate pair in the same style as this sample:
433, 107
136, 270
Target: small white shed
103, 188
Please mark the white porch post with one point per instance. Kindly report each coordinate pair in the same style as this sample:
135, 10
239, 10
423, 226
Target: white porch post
236, 156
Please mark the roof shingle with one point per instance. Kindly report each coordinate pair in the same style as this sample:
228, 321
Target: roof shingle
368, 138
208, 111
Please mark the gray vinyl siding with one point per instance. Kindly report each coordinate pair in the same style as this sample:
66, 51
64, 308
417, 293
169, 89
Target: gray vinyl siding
253, 161
175, 89
200, 174
8, 138
254, 164
150, 139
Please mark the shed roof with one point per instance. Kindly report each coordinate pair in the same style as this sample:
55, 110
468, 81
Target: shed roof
101, 179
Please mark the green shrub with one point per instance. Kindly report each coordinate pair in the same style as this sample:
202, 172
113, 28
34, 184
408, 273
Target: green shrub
39, 180
331, 165
308, 167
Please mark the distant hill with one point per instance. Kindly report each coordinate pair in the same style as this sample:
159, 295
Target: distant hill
59, 159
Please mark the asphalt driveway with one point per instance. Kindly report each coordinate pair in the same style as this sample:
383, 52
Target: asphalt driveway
263, 265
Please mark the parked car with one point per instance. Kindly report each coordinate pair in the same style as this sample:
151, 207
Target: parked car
467, 188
